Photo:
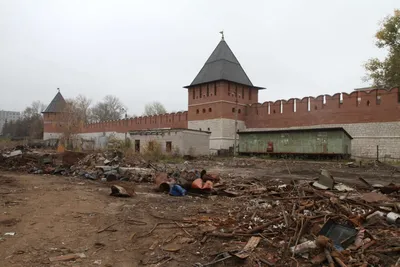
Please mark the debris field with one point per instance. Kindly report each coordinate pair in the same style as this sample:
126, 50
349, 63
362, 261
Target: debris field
105, 209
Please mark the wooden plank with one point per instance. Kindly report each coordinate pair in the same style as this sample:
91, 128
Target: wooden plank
250, 246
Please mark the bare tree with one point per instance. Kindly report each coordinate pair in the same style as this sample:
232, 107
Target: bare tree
154, 108
73, 118
29, 125
82, 107
111, 108
35, 109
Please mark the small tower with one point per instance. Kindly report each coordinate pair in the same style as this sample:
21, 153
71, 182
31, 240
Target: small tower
218, 96
52, 117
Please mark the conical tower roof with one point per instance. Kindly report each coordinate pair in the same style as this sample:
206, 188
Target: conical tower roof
56, 105
222, 65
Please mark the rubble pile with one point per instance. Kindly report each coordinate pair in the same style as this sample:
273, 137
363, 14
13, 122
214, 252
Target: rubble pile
299, 224
25, 159
108, 166
258, 222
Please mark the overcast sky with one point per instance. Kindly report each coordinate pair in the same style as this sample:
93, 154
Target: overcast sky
141, 51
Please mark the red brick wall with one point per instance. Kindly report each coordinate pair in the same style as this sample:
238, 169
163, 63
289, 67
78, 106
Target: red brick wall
215, 111
356, 107
220, 105
225, 91
52, 122
171, 120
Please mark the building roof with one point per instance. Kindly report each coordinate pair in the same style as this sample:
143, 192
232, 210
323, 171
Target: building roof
222, 65
365, 88
56, 105
158, 130
284, 130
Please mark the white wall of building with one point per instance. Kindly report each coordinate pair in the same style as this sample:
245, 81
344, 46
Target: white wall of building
184, 142
222, 131
47, 136
366, 137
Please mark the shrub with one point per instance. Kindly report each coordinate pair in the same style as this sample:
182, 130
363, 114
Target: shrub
152, 151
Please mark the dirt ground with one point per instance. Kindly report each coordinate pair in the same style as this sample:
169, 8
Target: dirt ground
57, 215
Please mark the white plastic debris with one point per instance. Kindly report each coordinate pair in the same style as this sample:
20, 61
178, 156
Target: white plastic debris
13, 154
10, 233
303, 247
343, 188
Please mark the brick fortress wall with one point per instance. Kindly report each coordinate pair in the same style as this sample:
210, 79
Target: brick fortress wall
217, 100
371, 118
212, 108
53, 123
357, 107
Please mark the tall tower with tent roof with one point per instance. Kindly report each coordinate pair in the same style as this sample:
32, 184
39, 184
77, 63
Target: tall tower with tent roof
52, 117
218, 95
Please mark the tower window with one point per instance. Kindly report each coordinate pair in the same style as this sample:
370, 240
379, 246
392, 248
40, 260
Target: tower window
204, 110
197, 111
215, 88
239, 111
209, 109
208, 91
398, 95
378, 100
194, 93
201, 93
368, 103
233, 110
236, 92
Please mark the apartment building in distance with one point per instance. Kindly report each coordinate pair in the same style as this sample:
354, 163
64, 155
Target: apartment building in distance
8, 116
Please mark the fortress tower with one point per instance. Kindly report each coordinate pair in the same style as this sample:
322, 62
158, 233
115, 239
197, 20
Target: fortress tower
52, 117
218, 96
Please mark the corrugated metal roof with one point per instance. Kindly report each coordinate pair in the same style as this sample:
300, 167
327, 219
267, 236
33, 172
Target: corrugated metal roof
222, 65
283, 130
56, 105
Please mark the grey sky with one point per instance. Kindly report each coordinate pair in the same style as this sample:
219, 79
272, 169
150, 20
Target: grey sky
142, 51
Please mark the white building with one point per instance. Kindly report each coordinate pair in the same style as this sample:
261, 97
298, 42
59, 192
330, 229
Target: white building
8, 116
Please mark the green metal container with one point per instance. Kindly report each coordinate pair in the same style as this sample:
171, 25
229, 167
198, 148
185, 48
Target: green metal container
329, 141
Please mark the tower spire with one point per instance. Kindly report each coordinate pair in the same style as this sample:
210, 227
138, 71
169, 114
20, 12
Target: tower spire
222, 35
